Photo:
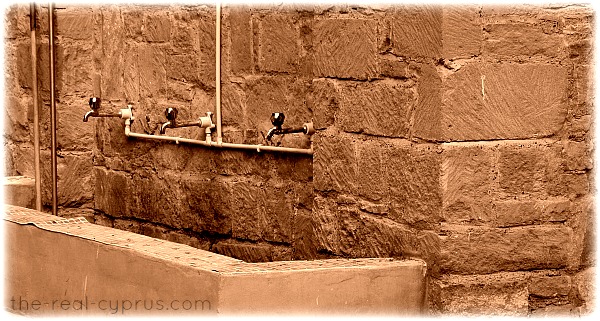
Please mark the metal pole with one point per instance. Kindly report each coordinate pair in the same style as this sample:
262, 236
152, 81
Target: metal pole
52, 110
218, 71
36, 122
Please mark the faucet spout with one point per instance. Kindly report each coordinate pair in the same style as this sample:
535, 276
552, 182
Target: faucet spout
164, 127
89, 114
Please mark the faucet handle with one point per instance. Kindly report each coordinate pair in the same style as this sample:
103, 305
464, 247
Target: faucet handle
171, 113
277, 119
94, 103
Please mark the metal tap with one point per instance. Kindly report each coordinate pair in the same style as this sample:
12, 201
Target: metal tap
171, 115
94, 106
277, 120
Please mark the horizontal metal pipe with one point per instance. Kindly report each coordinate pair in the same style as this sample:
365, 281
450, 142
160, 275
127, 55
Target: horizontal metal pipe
257, 148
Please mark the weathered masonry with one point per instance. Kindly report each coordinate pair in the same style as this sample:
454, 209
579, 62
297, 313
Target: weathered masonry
459, 135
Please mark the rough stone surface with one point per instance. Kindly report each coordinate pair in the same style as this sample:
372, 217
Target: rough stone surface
417, 31
324, 100
76, 181
241, 40
504, 101
515, 213
550, 286
342, 229
157, 27
461, 31
458, 134
520, 40
500, 294
585, 285
75, 24
488, 250
379, 108
110, 187
269, 94
278, 48
468, 175
345, 48
413, 174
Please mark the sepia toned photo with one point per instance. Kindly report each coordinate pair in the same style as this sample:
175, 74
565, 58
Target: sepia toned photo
327, 159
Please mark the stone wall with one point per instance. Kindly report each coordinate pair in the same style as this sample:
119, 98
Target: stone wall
457, 134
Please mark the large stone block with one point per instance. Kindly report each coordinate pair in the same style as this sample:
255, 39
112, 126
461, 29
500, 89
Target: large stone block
527, 212
343, 229
278, 48
76, 180
584, 283
16, 21
488, 250
577, 156
521, 41
206, 48
241, 40
75, 69
133, 23
377, 108
72, 132
233, 105
304, 241
76, 24
131, 83
324, 100
182, 67
112, 192
550, 286
417, 31
413, 175
468, 179
157, 27
372, 175
17, 116
462, 31
334, 163
197, 210
499, 294
345, 48
503, 101
579, 33
152, 71
522, 168
428, 116
581, 90
258, 210
113, 36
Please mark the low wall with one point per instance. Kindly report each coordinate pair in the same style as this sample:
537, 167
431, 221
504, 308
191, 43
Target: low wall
57, 266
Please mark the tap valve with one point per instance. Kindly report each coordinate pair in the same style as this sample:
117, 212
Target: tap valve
94, 103
277, 120
171, 115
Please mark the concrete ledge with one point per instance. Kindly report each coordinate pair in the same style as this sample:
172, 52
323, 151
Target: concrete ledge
56, 266
19, 191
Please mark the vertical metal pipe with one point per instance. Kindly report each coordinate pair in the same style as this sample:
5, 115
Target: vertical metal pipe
36, 122
52, 109
218, 71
